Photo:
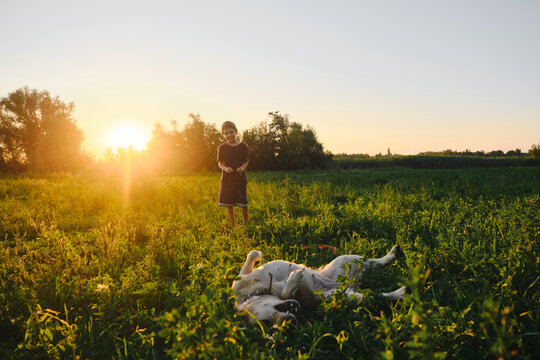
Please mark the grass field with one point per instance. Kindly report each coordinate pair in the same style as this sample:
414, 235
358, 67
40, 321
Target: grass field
90, 269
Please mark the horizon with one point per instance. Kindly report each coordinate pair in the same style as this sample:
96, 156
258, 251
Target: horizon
414, 77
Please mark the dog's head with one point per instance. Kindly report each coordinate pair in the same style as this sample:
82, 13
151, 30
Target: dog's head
254, 298
268, 309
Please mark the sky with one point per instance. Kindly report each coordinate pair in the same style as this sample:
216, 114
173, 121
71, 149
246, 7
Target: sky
411, 76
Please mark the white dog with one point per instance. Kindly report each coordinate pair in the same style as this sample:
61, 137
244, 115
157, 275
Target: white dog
276, 290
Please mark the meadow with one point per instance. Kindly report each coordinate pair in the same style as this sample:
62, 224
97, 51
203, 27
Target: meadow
99, 268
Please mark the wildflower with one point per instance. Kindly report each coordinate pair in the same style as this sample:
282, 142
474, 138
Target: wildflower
102, 287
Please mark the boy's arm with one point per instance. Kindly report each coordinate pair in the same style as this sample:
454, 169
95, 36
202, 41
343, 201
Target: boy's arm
243, 167
225, 168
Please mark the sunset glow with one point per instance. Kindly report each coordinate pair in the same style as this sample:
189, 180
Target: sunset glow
365, 75
126, 135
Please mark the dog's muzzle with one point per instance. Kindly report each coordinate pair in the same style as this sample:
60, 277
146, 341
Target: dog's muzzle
288, 309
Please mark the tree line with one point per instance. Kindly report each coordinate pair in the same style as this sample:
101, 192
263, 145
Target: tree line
481, 153
274, 144
38, 133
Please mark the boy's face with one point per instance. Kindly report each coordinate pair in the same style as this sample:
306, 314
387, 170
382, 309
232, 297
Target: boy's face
229, 134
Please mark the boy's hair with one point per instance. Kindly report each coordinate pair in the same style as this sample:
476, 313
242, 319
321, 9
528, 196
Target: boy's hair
228, 124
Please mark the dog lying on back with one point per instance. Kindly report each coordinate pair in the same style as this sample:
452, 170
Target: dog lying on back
273, 292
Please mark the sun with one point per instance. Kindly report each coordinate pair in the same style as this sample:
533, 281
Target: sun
126, 135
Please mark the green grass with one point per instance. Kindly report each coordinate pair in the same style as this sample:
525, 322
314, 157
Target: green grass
90, 270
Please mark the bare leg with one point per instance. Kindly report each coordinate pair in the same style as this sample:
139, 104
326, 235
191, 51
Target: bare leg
245, 215
230, 213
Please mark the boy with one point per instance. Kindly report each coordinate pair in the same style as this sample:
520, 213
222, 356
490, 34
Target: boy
233, 158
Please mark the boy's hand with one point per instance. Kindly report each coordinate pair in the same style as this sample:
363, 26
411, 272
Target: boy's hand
240, 170
229, 170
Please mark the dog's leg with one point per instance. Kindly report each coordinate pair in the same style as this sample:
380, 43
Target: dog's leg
396, 294
352, 265
328, 293
251, 259
392, 255
293, 284
353, 295
339, 266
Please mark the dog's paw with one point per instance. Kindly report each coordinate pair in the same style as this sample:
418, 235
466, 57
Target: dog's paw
398, 294
353, 295
396, 250
296, 278
255, 255
293, 284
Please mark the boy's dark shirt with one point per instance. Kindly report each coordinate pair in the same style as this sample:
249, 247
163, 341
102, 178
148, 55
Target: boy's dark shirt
234, 157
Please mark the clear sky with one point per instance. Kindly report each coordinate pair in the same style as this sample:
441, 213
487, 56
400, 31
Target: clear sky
411, 76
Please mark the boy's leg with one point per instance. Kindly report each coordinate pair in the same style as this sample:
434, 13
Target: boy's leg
230, 213
245, 215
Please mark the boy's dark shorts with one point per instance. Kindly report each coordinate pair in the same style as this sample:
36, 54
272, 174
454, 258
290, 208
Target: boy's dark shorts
233, 194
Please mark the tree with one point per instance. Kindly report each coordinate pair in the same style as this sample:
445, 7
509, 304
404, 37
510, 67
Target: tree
535, 151
192, 149
516, 152
163, 150
200, 143
282, 144
37, 132
262, 147
279, 130
12, 154
496, 153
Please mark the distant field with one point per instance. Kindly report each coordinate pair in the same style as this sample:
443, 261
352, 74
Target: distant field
431, 161
91, 270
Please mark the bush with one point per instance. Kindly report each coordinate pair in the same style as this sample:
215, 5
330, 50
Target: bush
535, 151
